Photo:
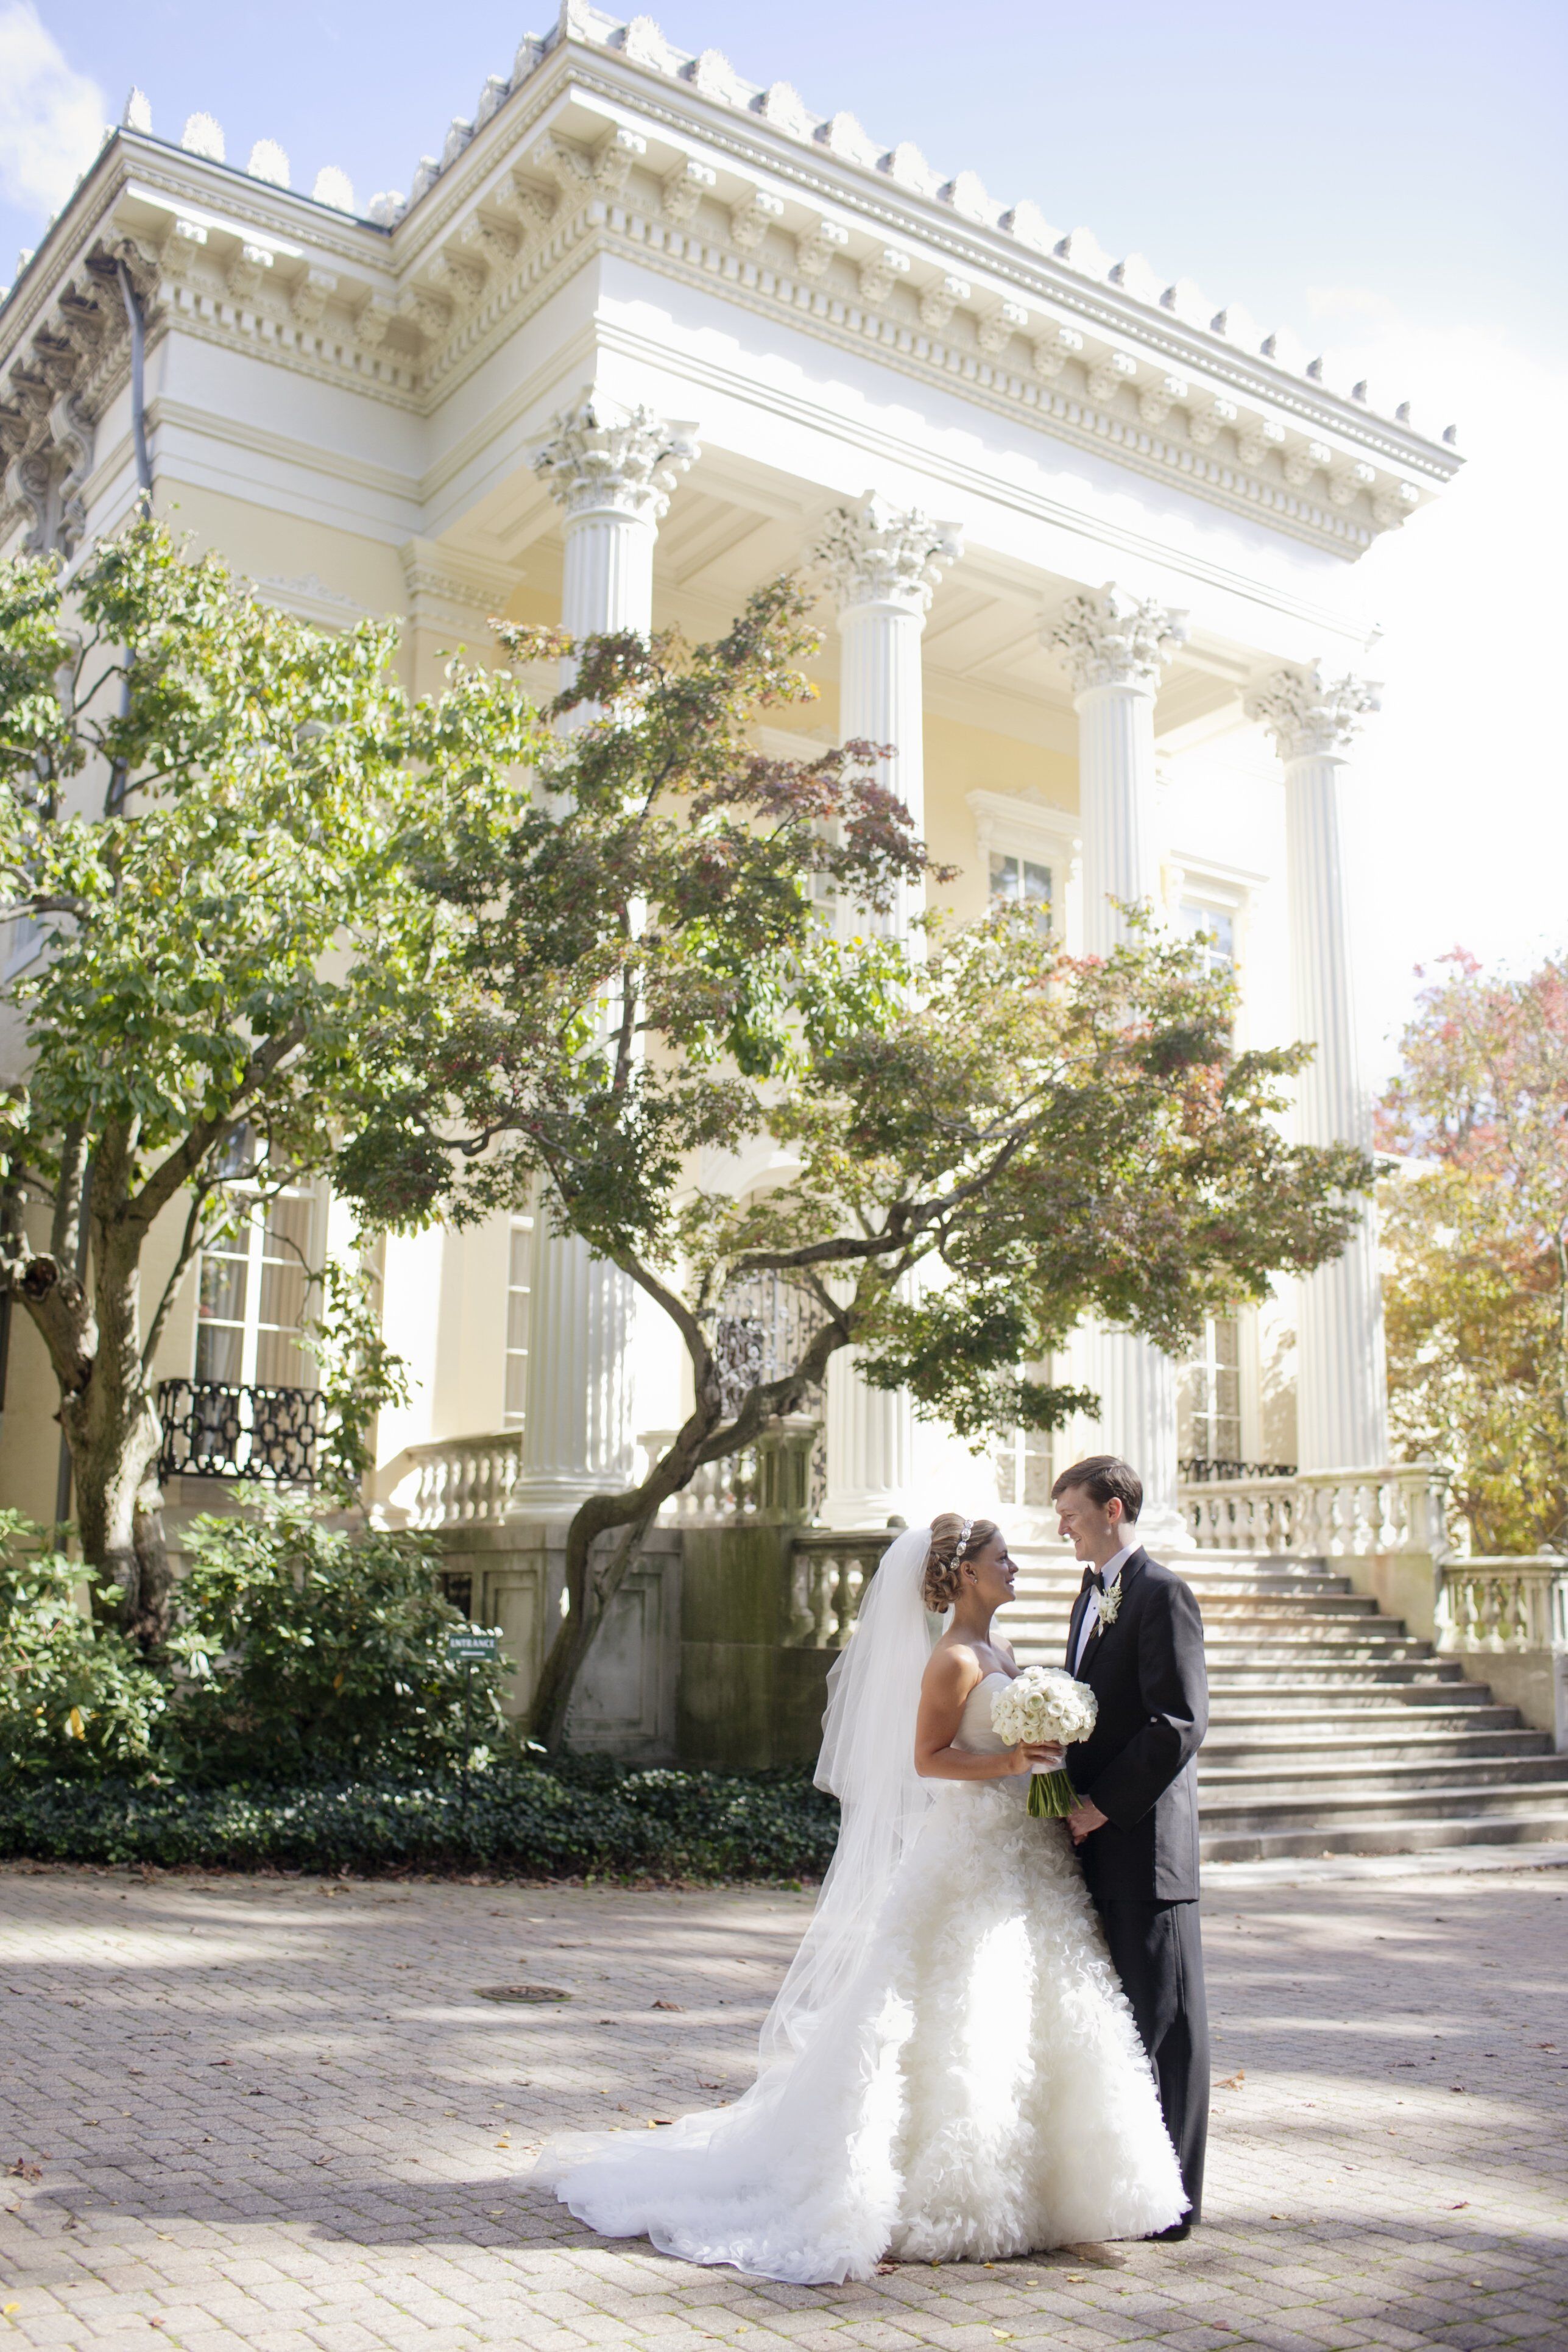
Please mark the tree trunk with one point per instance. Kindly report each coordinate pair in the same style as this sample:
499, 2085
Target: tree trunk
112, 1429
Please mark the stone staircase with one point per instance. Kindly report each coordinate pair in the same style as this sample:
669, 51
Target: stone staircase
1332, 1730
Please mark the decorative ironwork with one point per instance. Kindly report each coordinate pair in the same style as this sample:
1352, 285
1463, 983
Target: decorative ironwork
763, 1329
214, 1430
1201, 1469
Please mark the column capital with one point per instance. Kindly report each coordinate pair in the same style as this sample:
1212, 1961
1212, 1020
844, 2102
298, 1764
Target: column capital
602, 457
1309, 716
874, 552
1107, 637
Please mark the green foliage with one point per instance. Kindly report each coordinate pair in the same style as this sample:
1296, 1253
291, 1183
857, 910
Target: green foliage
1477, 1233
208, 807
76, 1699
674, 955
570, 1821
361, 1376
309, 1651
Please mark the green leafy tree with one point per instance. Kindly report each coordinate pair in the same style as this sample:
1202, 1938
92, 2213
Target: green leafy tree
974, 1146
205, 805
1477, 1233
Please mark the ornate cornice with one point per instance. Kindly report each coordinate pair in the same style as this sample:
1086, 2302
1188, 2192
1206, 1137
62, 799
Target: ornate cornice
449, 591
607, 138
875, 552
1310, 717
1106, 637
603, 458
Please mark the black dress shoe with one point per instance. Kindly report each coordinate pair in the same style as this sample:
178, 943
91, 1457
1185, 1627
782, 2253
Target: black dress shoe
1171, 2237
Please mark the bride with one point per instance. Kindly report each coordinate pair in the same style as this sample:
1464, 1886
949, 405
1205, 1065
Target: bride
950, 2070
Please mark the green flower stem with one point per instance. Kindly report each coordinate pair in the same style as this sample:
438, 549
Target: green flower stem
1051, 1796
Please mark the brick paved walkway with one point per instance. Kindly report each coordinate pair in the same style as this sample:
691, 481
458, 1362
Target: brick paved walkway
273, 2113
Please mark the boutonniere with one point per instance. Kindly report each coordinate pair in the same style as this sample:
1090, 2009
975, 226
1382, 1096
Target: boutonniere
1108, 1602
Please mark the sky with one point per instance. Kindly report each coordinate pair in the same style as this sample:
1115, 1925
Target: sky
1389, 180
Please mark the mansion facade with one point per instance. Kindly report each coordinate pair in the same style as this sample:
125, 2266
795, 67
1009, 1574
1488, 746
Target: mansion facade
642, 336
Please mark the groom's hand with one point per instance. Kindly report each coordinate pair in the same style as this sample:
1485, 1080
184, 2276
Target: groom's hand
1085, 1817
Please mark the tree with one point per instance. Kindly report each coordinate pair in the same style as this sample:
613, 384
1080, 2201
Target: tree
981, 1138
1477, 1230
205, 806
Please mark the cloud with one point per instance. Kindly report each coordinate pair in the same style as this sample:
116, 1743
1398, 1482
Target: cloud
51, 117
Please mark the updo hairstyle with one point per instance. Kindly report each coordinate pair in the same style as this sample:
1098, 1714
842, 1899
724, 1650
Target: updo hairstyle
942, 1579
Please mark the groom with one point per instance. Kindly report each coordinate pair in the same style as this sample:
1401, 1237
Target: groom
1137, 1639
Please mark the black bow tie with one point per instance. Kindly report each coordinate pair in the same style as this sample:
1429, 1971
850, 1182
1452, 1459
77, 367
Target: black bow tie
1092, 1575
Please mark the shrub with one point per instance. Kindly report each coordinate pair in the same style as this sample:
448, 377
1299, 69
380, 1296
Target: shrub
564, 1820
76, 1698
309, 1652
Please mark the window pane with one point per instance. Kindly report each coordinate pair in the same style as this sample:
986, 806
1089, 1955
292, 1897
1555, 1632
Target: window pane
220, 1348
1004, 878
282, 1294
1036, 883
223, 1289
282, 1363
289, 1227
520, 1275
1214, 927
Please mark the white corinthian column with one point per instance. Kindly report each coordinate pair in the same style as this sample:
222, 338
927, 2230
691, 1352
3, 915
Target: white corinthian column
612, 471
1342, 1405
882, 563
1114, 650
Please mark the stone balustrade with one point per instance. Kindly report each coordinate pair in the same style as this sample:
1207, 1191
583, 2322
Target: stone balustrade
456, 1481
770, 1479
828, 1572
1504, 1604
1323, 1514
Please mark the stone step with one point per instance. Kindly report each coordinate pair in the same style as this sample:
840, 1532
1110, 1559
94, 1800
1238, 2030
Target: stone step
1267, 1609
1368, 1749
1303, 1675
1302, 1781
1454, 1703
1352, 1807
1417, 1836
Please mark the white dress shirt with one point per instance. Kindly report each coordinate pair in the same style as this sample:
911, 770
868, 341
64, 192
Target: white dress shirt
1110, 1572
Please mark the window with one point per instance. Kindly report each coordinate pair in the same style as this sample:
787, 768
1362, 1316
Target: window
1024, 1459
1211, 1393
252, 1300
518, 1286
1018, 881
1212, 932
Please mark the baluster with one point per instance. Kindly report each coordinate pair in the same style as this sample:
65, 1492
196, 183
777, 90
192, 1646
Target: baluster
823, 1588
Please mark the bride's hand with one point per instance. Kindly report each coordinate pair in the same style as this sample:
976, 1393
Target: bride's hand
1051, 1756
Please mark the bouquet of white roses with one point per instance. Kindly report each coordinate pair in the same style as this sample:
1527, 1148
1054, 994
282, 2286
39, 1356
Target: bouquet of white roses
1045, 1705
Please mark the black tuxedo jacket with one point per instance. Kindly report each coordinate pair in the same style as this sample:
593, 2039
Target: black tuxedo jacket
1146, 1670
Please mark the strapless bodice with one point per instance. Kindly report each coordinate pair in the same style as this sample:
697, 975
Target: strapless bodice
974, 1732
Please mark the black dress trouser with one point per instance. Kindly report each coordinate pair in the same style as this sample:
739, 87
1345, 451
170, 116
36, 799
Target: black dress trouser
1157, 1951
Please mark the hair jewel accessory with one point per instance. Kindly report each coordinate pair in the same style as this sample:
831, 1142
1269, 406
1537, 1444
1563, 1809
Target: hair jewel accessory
963, 1535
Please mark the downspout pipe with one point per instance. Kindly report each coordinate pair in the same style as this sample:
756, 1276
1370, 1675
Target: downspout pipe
138, 326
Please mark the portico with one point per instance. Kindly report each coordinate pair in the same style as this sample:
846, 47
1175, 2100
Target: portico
644, 335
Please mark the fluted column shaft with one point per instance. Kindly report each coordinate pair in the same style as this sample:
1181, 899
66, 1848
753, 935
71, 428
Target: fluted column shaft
883, 563
1115, 649
613, 471
1342, 1407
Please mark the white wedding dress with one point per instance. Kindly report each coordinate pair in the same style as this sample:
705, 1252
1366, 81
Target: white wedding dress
972, 2087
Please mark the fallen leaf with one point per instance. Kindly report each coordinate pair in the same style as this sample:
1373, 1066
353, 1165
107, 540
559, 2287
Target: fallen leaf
23, 2170
668, 2004
1460, 2206
1232, 2082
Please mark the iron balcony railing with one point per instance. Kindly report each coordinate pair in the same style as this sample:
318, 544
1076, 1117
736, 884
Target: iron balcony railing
1201, 1469
216, 1429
